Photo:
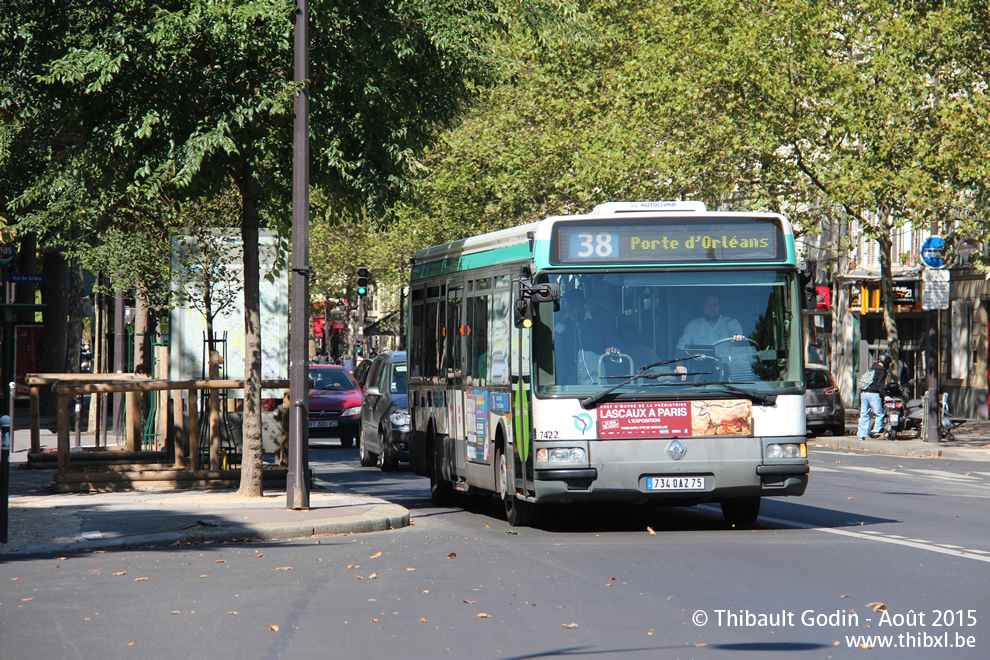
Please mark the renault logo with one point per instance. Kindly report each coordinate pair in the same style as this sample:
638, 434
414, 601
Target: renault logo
676, 450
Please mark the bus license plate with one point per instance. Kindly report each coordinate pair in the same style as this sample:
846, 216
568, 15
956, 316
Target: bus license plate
322, 423
675, 483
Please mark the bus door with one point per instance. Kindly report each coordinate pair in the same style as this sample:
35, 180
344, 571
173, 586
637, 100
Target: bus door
455, 369
520, 445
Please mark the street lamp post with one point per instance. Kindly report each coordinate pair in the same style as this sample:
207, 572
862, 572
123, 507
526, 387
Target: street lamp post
297, 480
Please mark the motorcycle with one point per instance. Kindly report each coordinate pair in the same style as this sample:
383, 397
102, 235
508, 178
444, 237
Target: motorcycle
901, 414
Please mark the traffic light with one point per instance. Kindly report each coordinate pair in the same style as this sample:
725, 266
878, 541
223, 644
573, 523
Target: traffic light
361, 280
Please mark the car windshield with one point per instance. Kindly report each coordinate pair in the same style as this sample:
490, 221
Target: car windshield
332, 379
710, 328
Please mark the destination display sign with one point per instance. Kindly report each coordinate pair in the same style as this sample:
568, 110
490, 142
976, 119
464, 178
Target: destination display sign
658, 419
662, 240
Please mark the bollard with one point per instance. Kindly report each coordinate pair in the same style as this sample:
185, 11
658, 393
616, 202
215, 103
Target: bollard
78, 421
5, 442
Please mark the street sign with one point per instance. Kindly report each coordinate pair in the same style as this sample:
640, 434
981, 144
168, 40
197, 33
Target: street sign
931, 252
30, 278
934, 289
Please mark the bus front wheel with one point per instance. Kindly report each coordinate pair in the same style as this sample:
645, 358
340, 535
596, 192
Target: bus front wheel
519, 513
741, 511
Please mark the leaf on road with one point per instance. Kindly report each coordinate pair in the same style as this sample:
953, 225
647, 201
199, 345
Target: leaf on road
176, 612
203, 576
511, 532
283, 568
848, 498
221, 561
843, 596
141, 579
373, 576
470, 602
422, 620
121, 573
482, 615
877, 607
410, 569
451, 555
650, 530
570, 625
376, 555
233, 612
24, 600
259, 555
273, 628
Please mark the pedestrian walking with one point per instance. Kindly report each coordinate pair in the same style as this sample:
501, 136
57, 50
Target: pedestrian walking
871, 386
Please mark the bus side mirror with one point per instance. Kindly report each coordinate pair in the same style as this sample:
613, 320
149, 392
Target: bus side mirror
527, 296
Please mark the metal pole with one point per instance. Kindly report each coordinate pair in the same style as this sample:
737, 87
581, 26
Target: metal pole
297, 485
5, 441
932, 359
118, 362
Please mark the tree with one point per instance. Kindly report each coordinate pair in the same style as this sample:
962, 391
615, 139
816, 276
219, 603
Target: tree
189, 97
875, 110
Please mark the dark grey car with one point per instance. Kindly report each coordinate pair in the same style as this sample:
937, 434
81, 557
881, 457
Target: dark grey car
384, 438
822, 401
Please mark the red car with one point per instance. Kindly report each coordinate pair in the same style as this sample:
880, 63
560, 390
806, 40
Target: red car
334, 404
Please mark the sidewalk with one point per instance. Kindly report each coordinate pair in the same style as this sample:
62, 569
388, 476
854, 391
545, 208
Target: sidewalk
41, 522
971, 441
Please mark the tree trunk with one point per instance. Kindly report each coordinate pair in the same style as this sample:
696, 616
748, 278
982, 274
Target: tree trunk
887, 288
55, 315
73, 337
251, 459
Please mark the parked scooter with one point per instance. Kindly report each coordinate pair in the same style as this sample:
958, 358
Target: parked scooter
901, 414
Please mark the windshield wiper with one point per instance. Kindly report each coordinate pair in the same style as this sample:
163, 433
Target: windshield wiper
763, 399
590, 402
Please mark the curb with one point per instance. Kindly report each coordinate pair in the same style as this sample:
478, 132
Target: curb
386, 517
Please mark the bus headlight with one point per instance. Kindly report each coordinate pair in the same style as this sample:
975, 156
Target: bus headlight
787, 451
562, 455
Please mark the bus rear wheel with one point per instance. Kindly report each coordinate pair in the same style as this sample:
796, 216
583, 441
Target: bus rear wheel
519, 513
742, 511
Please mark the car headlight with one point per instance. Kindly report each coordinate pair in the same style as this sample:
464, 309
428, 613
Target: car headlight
562, 455
351, 412
399, 418
797, 450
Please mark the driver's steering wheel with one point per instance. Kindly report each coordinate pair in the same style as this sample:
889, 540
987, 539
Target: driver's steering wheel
727, 339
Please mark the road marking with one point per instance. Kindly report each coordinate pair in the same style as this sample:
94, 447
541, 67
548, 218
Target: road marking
880, 536
942, 474
873, 470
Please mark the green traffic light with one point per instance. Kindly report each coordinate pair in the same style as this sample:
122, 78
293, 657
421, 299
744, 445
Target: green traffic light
362, 290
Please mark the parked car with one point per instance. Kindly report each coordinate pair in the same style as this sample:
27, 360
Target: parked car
334, 403
822, 401
384, 438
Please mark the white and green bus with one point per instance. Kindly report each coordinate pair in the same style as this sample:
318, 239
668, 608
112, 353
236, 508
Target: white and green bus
645, 352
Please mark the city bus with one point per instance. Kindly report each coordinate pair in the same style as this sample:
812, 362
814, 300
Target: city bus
578, 359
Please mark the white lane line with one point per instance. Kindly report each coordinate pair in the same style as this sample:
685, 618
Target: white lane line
877, 536
823, 469
942, 474
872, 470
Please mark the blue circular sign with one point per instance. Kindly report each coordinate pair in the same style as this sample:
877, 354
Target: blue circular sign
931, 252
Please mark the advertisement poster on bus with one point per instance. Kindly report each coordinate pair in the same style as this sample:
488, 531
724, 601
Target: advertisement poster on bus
477, 414
648, 419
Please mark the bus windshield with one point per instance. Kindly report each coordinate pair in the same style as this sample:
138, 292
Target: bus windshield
715, 332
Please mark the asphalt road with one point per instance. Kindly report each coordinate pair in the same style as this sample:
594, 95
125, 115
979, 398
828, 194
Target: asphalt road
886, 546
